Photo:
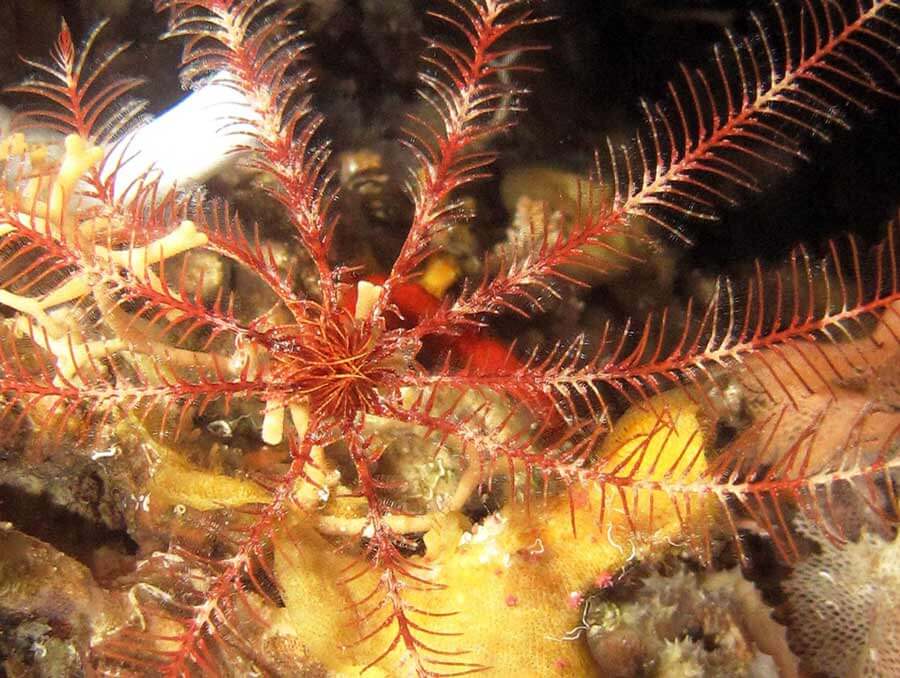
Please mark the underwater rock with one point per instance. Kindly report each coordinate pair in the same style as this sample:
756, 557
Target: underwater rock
687, 624
50, 608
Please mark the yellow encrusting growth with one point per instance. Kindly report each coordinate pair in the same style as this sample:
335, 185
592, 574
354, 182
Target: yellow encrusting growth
513, 581
441, 272
660, 439
174, 481
424, 497
12, 146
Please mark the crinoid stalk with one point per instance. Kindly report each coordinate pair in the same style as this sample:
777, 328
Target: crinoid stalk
409, 494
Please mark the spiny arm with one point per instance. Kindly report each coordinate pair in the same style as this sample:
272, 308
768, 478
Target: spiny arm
747, 115
205, 617
100, 211
385, 574
767, 473
468, 94
784, 338
253, 47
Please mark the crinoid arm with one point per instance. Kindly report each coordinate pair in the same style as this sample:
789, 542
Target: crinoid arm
80, 98
254, 49
720, 129
808, 350
199, 615
101, 321
801, 330
472, 99
401, 486
770, 474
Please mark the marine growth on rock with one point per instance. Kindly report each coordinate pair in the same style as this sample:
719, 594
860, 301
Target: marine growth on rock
334, 465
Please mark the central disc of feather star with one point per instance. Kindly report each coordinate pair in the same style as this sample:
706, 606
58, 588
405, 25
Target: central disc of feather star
335, 363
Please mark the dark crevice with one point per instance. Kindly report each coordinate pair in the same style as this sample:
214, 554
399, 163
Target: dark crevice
70, 533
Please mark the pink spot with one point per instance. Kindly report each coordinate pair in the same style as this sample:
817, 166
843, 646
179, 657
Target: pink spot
512, 601
574, 600
603, 580
561, 664
533, 552
579, 497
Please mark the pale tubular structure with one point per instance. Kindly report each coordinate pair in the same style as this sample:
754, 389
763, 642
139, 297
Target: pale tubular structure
190, 142
184, 146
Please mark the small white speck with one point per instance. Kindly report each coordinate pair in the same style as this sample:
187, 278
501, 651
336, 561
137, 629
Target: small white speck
220, 428
826, 575
103, 454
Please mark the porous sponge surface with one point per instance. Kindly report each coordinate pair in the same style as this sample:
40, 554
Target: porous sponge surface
845, 607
